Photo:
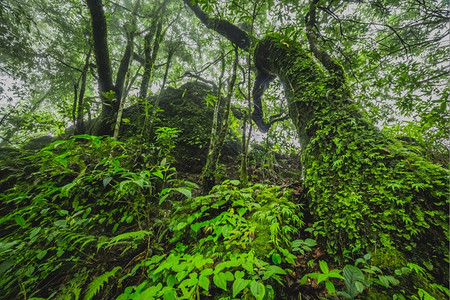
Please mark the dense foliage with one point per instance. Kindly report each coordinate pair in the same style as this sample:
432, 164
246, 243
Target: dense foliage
79, 223
131, 166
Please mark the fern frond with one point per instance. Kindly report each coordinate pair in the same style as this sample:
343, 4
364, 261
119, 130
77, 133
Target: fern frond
96, 285
124, 238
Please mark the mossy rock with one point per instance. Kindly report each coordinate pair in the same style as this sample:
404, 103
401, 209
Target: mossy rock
389, 259
186, 109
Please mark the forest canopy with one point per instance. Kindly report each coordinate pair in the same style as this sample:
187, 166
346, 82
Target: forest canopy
208, 149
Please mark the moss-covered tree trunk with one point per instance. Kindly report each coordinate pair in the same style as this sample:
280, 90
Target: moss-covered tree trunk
367, 191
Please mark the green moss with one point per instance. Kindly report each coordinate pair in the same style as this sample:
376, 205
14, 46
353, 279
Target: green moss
260, 244
389, 259
378, 296
367, 191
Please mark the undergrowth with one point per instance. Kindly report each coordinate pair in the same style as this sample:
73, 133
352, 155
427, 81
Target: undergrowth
89, 219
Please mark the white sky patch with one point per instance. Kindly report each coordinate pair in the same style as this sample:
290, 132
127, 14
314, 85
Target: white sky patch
6, 89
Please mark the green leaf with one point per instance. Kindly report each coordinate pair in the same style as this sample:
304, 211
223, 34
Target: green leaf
206, 272
171, 280
159, 175
170, 295
352, 276
359, 286
20, 220
330, 287
276, 258
335, 274
270, 293
106, 181
344, 294
310, 242
203, 281
41, 254
322, 277
238, 285
149, 293
238, 274
185, 192
323, 266
139, 182
258, 290
276, 270
219, 281
228, 276
34, 232
61, 223
235, 182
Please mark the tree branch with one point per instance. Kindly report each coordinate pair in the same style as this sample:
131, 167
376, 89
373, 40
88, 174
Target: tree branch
321, 55
228, 30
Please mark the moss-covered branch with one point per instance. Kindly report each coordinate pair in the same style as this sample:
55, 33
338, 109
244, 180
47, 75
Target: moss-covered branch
230, 31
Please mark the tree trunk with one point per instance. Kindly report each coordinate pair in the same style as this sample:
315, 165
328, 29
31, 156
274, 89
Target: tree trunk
150, 57
218, 133
79, 124
123, 74
105, 83
365, 190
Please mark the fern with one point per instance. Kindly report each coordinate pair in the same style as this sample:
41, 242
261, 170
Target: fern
124, 238
98, 283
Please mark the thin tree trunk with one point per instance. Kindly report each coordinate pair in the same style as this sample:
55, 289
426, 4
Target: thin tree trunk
150, 54
123, 74
218, 135
74, 105
247, 137
149, 121
120, 113
79, 125
149, 62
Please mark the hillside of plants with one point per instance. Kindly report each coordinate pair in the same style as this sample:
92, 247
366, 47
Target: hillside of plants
222, 150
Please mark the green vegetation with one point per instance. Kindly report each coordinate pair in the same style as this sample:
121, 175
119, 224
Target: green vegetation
80, 224
131, 166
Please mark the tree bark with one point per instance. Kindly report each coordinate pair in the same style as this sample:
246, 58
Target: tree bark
79, 124
218, 133
150, 56
100, 37
105, 82
123, 67
230, 31
365, 190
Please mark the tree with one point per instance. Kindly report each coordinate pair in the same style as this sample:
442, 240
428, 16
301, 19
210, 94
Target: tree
366, 190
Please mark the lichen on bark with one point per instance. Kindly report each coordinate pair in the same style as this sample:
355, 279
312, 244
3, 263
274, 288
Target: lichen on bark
366, 190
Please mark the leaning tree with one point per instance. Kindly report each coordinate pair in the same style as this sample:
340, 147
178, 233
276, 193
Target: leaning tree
366, 191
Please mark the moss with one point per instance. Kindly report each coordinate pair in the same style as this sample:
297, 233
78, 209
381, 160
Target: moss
389, 259
367, 190
377, 296
261, 245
